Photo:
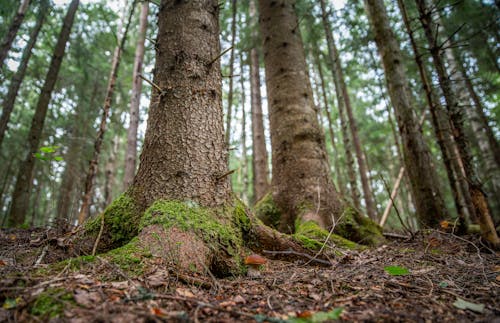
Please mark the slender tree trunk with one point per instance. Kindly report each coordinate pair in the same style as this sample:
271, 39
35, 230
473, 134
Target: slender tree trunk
441, 127
231, 72
11, 33
17, 78
244, 153
338, 173
109, 178
135, 99
423, 178
93, 164
302, 186
20, 197
363, 170
479, 200
260, 166
184, 156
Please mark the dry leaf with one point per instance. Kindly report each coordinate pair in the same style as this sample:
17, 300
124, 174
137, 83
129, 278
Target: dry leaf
305, 314
444, 224
238, 299
184, 292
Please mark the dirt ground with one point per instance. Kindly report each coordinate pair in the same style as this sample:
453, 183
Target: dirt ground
449, 278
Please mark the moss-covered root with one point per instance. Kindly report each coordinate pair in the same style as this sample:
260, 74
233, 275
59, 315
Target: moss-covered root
195, 238
356, 227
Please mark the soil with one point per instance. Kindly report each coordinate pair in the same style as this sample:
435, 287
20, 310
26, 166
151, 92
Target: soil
448, 278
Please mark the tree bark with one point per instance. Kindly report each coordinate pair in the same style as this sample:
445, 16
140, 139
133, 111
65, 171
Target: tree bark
363, 169
244, 153
20, 197
135, 99
423, 178
184, 156
110, 169
11, 33
94, 162
17, 78
480, 203
302, 186
260, 166
231, 72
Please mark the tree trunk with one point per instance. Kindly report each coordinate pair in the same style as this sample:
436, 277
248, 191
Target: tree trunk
17, 78
478, 196
338, 173
423, 178
11, 33
244, 153
363, 170
93, 164
231, 72
260, 166
135, 99
442, 130
20, 197
111, 166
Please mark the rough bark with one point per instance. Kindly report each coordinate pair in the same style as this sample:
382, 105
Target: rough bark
244, 153
11, 33
260, 166
135, 99
338, 173
360, 158
302, 187
423, 178
110, 169
456, 113
231, 72
94, 162
441, 128
20, 197
17, 78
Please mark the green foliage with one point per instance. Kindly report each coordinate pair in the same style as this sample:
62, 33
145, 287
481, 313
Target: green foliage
396, 270
267, 211
51, 303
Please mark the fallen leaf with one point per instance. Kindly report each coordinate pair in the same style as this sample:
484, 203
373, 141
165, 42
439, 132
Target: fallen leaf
464, 305
184, 292
238, 299
120, 285
444, 224
305, 314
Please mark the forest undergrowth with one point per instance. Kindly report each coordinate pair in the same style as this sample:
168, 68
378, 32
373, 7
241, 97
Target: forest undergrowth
435, 276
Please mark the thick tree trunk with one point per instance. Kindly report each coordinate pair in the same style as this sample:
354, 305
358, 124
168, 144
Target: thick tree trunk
231, 72
20, 197
338, 172
302, 186
11, 33
363, 170
94, 162
441, 128
135, 99
423, 178
481, 208
17, 78
260, 166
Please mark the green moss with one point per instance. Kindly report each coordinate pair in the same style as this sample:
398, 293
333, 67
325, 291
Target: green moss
267, 211
51, 303
129, 257
240, 215
312, 236
121, 220
358, 228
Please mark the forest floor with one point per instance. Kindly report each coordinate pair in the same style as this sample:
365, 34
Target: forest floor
449, 278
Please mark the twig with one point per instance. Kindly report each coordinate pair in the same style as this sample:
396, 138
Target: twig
151, 83
101, 229
225, 174
42, 255
220, 55
300, 254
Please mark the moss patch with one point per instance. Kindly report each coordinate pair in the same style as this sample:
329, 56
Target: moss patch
312, 236
267, 212
121, 221
51, 303
358, 228
129, 258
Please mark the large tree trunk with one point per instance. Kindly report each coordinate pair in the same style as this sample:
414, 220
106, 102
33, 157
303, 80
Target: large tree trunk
363, 169
302, 187
260, 166
94, 162
423, 178
480, 203
20, 197
231, 77
17, 78
135, 99
11, 33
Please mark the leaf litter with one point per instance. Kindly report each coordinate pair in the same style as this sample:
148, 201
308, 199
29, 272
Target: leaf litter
417, 280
